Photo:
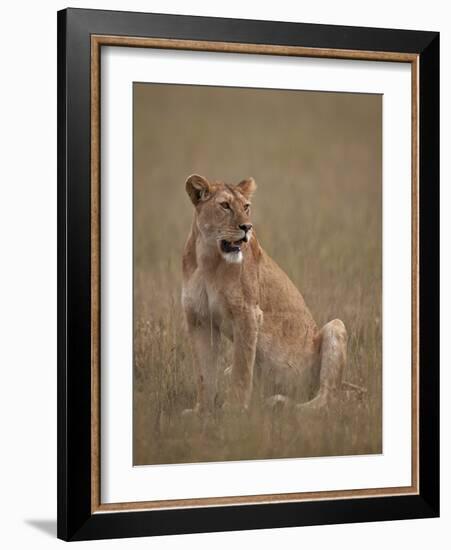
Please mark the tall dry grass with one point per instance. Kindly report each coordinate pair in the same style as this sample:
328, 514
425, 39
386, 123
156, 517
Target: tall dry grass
317, 160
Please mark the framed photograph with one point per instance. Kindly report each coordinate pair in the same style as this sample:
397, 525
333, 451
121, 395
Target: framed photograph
248, 274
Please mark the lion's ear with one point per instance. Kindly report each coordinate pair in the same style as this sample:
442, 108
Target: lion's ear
197, 188
247, 187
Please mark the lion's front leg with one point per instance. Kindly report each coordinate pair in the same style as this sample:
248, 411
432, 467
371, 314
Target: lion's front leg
205, 344
245, 333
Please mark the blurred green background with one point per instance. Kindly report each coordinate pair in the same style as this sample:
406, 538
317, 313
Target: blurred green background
317, 161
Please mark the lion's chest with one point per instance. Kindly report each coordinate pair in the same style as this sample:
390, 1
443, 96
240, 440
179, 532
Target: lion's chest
206, 303
218, 312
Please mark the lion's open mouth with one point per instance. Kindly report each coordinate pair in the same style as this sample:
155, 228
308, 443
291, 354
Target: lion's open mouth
235, 246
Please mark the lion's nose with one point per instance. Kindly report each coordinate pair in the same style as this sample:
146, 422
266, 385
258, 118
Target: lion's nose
246, 227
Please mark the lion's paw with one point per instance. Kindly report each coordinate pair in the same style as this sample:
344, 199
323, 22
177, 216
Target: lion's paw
190, 413
278, 402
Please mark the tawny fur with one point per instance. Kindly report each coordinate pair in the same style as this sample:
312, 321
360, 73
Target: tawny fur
248, 298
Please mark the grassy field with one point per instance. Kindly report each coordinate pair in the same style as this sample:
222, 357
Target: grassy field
317, 160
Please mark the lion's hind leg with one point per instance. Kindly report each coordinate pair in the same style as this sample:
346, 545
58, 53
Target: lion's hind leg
333, 357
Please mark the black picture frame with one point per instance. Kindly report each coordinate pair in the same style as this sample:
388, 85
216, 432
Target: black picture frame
76, 521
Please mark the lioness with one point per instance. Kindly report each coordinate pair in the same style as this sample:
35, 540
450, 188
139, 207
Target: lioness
231, 286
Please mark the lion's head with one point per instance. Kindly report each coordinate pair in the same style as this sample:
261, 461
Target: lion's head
223, 214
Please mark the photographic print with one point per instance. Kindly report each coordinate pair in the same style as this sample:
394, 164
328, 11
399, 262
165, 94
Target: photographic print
248, 313
257, 261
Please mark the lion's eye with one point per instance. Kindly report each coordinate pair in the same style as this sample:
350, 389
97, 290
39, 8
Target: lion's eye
247, 207
225, 205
